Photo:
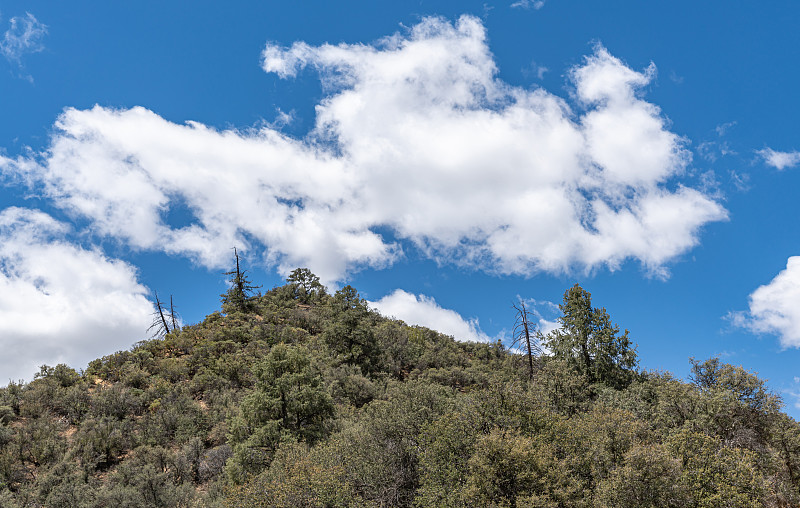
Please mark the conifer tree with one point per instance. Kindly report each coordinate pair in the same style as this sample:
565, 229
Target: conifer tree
305, 286
590, 343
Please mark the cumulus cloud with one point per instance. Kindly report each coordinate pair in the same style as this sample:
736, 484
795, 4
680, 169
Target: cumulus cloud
416, 137
424, 311
775, 307
60, 303
780, 160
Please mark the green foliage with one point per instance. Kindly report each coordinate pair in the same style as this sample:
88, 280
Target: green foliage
289, 399
736, 405
305, 287
447, 445
507, 470
349, 334
650, 477
715, 474
99, 443
380, 451
590, 343
297, 478
300, 398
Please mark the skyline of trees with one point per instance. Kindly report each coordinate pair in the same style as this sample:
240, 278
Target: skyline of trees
304, 398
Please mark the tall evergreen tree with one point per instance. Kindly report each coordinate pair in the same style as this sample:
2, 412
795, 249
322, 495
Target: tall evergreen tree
591, 343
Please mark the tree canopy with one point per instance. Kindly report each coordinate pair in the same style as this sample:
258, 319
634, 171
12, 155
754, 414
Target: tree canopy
310, 399
590, 343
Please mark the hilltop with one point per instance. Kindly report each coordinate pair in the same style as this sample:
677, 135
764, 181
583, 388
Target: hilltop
297, 397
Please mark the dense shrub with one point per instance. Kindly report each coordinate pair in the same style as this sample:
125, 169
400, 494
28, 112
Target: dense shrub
301, 398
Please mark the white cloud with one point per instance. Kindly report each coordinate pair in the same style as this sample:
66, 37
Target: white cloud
538, 70
546, 314
416, 136
60, 303
713, 150
529, 4
792, 392
741, 181
424, 311
23, 36
780, 160
775, 307
723, 129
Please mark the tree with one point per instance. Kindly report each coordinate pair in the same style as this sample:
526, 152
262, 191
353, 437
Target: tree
522, 335
240, 294
735, 404
164, 320
349, 333
649, 477
507, 470
305, 286
717, 475
590, 343
298, 477
289, 398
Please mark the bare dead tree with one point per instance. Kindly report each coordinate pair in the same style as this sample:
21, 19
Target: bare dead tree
162, 318
525, 335
173, 315
241, 291
159, 327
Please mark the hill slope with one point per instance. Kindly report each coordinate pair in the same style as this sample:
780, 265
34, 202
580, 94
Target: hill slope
300, 398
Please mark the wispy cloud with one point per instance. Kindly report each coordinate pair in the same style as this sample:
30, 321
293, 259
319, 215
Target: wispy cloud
716, 149
723, 129
424, 311
740, 181
535, 69
793, 392
528, 4
60, 302
780, 160
545, 312
416, 136
775, 307
24, 36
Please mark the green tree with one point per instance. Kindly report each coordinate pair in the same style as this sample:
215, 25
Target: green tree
591, 343
305, 287
289, 398
717, 475
349, 333
649, 478
507, 470
297, 478
381, 450
734, 404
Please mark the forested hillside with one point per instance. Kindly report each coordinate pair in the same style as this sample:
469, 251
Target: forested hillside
300, 398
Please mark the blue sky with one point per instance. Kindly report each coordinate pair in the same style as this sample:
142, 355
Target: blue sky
445, 158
